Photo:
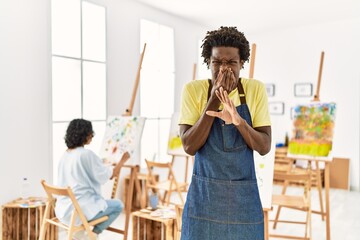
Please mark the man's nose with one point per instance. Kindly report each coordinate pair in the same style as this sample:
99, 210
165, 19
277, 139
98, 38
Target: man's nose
224, 66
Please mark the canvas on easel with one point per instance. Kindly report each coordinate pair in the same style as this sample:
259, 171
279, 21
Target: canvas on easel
122, 133
264, 169
175, 146
313, 129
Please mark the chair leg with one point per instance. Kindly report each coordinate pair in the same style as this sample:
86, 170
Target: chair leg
129, 200
283, 191
45, 224
71, 226
168, 198
92, 235
181, 197
44, 227
163, 200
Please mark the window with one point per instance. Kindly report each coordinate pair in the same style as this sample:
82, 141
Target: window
156, 88
78, 70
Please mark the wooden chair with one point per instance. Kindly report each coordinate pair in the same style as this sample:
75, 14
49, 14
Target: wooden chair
282, 163
302, 202
51, 191
169, 185
285, 164
178, 223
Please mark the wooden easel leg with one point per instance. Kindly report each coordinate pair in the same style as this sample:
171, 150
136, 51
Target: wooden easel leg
186, 169
139, 190
129, 200
114, 189
327, 201
266, 225
319, 187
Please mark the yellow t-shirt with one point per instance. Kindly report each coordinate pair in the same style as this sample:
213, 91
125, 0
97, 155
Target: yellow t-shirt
195, 94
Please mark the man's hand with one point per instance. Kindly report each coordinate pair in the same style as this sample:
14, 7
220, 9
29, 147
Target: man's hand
229, 114
226, 80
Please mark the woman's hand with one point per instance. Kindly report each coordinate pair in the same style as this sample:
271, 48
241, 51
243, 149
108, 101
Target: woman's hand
121, 163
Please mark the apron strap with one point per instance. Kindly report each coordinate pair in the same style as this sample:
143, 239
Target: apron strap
240, 90
241, 93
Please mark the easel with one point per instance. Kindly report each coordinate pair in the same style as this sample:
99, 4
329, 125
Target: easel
194, 72
325, 215
128, 200
134, 170
252, 60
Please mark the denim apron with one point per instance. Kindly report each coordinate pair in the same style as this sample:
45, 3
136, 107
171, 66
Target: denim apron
223, 201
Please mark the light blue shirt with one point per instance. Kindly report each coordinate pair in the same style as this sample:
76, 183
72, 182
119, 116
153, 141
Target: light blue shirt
84, 172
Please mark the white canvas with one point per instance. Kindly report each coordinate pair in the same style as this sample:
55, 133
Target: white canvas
121, 134
264, 168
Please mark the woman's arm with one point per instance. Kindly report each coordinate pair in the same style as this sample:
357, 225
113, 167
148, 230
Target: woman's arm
118, 166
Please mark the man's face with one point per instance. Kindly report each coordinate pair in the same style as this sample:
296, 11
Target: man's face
225, 57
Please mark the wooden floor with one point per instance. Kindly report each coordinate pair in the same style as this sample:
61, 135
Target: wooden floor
344, 215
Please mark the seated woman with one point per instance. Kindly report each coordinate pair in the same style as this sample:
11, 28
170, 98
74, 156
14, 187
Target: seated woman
84, 172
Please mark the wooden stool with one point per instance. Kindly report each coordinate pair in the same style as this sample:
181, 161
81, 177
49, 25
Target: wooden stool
21, 219
152, 228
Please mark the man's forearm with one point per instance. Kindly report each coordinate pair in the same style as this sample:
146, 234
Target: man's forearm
194, 137
258, 139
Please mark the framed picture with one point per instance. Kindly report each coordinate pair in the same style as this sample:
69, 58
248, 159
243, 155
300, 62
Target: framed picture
270, 89
303, 89
276, 108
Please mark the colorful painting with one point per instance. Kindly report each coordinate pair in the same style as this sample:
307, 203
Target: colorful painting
313, 128
175, 146
121, 134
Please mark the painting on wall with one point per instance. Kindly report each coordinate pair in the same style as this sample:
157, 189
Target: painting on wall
313, 128
303, 90
270, 89
175, 146
121, 134
276, 108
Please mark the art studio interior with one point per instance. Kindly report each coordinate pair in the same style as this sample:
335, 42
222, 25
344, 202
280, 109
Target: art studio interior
123, 65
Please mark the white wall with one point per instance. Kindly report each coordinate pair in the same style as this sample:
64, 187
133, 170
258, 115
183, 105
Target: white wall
25, 117
24, 95
289, 56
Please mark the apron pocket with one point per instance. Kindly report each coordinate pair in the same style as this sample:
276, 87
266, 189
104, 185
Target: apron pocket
224, 201
232, 139
245, 205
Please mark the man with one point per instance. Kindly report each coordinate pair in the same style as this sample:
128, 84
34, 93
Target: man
222, 121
